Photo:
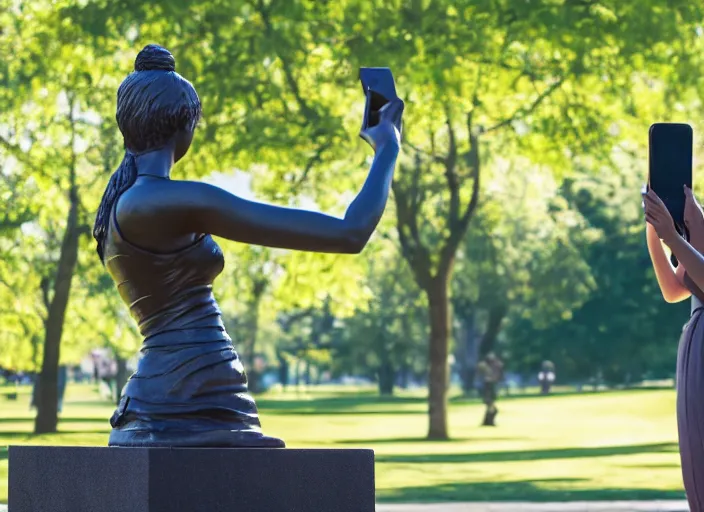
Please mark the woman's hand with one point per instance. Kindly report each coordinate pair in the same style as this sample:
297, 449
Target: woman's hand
656, 215
693, 216
387, 130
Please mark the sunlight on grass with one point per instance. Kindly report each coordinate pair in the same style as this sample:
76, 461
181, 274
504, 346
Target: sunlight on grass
616, 445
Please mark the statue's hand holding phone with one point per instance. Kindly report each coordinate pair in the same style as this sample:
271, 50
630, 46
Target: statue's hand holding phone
383, 110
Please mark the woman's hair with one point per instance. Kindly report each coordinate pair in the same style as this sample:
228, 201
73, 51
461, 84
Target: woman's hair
154, 103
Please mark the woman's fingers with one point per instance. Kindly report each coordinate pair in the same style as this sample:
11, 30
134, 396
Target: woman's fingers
653, 220
656, 213
655, 202
653, 196
393, 110
689, 197
651, 193
651, 205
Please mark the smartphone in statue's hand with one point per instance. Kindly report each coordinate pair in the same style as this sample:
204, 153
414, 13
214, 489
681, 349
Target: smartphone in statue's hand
379, 89
670, 166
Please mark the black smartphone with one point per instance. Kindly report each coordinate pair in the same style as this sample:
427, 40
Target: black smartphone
670, 166
379, 89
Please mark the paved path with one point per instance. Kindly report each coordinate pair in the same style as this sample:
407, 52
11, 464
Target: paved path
603, 506
613, 506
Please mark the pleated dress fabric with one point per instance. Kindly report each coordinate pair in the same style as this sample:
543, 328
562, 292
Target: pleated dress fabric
690, 400
190, 387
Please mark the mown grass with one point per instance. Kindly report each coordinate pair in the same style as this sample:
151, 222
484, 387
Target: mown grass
610, 445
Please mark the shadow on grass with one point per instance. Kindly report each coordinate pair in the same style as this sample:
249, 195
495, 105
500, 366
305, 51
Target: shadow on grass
340, 412
672, 465
343, 400
389, 440
342, 405
90, 403
29, 435
61, 420
3, 453
517, 395
529, 455
522, 490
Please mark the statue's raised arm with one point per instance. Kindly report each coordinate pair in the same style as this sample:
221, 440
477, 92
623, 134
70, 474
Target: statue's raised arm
154, 238
183, 207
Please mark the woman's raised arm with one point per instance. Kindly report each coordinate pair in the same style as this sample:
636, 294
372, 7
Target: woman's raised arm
194, 207
670, 281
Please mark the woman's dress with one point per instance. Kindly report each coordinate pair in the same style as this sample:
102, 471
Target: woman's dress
690, 400
190, 388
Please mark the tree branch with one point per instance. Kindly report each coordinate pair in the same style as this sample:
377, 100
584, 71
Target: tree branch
496, 318
45, 286
307, 111
286, 321
451, 171
315, 159
429, 155
459, 228
17, 152
475, 100
474, 163
408, 204
525, 111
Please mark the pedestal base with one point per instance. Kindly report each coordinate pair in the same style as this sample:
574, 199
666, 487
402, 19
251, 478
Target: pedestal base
78, 479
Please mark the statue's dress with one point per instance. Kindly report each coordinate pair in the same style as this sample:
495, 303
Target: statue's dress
690, 400
190, 388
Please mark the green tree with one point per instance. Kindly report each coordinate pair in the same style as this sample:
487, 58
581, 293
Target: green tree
518, 259
384, 339
621, 332
46, 130
20, 327
485, 77
264, 114
481, 78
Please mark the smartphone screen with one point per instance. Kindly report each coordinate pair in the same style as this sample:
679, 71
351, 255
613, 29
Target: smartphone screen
670, 166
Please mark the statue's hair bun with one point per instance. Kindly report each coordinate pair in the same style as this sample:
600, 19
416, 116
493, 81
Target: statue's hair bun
154, 58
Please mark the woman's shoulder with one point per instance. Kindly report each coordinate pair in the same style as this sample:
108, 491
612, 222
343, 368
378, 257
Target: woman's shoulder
151, 214
163, 201
146, 205
153, 197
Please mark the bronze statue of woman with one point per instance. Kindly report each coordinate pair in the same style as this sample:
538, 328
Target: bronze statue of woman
154, 236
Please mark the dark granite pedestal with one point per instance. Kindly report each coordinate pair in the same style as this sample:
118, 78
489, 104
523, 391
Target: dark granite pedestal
77, 479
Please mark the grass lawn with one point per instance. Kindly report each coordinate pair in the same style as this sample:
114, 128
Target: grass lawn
611, 445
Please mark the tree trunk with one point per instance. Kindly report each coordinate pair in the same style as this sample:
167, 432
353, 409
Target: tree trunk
252, 379
47, 396
438, 375
306, 377
404, 375
468, 352
386, 381
283, 370
258, 289
120, 377
35, 352
386, 374
297, 375
493, 328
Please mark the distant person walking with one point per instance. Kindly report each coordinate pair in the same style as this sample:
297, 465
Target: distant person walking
680, 278
491, 372
546, 377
